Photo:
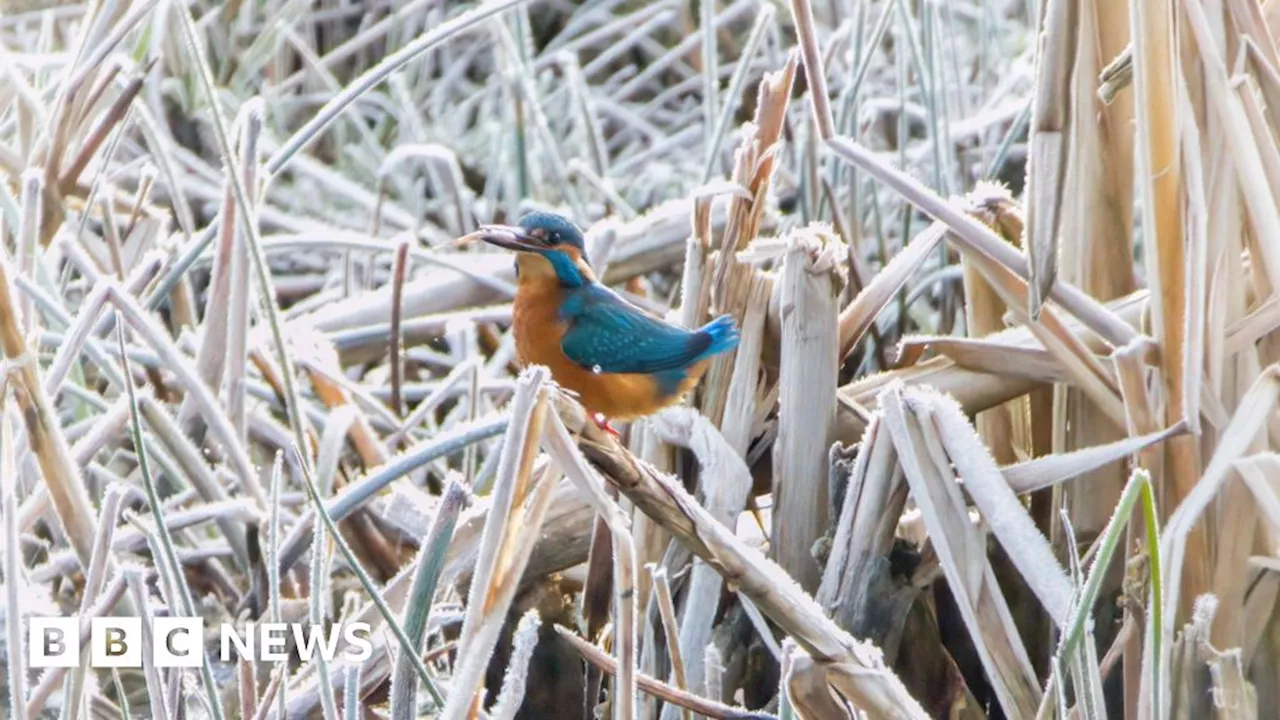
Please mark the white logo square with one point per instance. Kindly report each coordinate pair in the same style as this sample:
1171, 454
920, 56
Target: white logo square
116, 642
53, 642
178, 642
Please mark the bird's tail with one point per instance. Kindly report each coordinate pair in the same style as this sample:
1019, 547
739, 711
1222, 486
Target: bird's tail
723, 333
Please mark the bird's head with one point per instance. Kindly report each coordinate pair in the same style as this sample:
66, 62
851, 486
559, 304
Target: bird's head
548, 246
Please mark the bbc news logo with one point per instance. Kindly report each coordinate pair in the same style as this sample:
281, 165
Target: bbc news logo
178, 642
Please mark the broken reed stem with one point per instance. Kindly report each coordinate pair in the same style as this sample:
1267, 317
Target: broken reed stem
475, 654
804, 684
1006, 429
1048, 140
1255, 407
809, 291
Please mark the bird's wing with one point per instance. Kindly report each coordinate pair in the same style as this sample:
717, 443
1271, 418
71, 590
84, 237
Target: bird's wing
609, 335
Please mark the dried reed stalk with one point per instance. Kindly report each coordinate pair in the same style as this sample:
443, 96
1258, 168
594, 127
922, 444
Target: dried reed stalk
625, 625
1049, 146
1005, 429
864, 531
212, 357
44, 432
802, 15
671, 631
15, 648
805, 683
809, 291
962, 550
729, 281
1095, 226
1238, 436
1020, 428
1159, 173
860, 315
521, 501
725, 490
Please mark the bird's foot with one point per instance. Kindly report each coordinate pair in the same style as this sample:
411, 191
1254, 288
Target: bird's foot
602, 422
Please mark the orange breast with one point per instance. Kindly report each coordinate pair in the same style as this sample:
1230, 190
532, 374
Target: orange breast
621, 396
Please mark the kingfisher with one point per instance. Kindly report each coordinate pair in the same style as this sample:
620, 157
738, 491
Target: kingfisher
621, 361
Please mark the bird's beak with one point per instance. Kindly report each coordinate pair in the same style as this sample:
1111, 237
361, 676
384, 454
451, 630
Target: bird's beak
509, 237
